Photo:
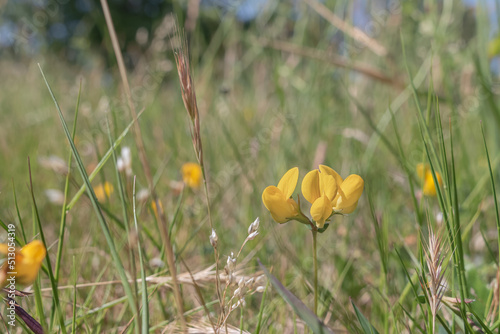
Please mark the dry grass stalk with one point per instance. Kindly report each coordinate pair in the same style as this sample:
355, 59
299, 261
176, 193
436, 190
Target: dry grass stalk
203, 327
348, 29
335, 60
181, 54
145, 164
202, 278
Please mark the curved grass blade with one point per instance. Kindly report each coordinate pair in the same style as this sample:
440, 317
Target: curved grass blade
365, 324
316, 325
104, 226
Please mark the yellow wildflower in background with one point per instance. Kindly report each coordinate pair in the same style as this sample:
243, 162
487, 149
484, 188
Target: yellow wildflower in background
103, 191
192, 174
155, 209
425, 174
25, 265
277, 199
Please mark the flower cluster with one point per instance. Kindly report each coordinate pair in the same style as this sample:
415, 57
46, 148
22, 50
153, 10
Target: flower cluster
325, 189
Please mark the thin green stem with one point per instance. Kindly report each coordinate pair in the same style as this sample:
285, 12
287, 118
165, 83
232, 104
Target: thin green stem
315, 261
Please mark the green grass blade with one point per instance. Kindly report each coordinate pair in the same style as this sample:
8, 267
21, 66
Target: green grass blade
101, 163
409, 174
261, 309
104, 226
316, 325
53, 282
75, 277
144, 284
64, 211
365, 324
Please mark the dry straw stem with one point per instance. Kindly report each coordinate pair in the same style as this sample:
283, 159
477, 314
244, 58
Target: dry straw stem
201, 278
345, 27
332, 59
203, 327
181, 53
144, 161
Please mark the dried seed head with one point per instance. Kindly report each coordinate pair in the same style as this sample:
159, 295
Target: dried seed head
213, 239
260, 289
241, 283
249, 282
229, 268
254, 226
181, 55
260, 280
252, 235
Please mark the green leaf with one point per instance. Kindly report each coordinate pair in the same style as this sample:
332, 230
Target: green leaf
316, 325
365, 324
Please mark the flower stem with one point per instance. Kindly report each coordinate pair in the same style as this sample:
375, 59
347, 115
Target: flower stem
315, 261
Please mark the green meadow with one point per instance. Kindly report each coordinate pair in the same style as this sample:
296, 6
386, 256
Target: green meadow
93, 154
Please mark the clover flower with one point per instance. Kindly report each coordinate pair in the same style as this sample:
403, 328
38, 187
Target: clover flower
25, 264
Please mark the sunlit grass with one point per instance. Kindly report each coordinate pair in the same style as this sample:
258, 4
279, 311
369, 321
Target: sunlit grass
262, 111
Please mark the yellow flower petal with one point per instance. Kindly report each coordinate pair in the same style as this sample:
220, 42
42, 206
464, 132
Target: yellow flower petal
27, 263
350, 209
429, 185
311, 187
330, 171
328, 185
425, 173
281, 208
349, 192
321, 209
34, 251
192, 174
288, 182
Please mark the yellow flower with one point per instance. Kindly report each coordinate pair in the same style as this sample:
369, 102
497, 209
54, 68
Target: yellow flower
327, 192
425, 174
349, 192
192, 174
320, 188
277, 199
23, 264
103, 191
